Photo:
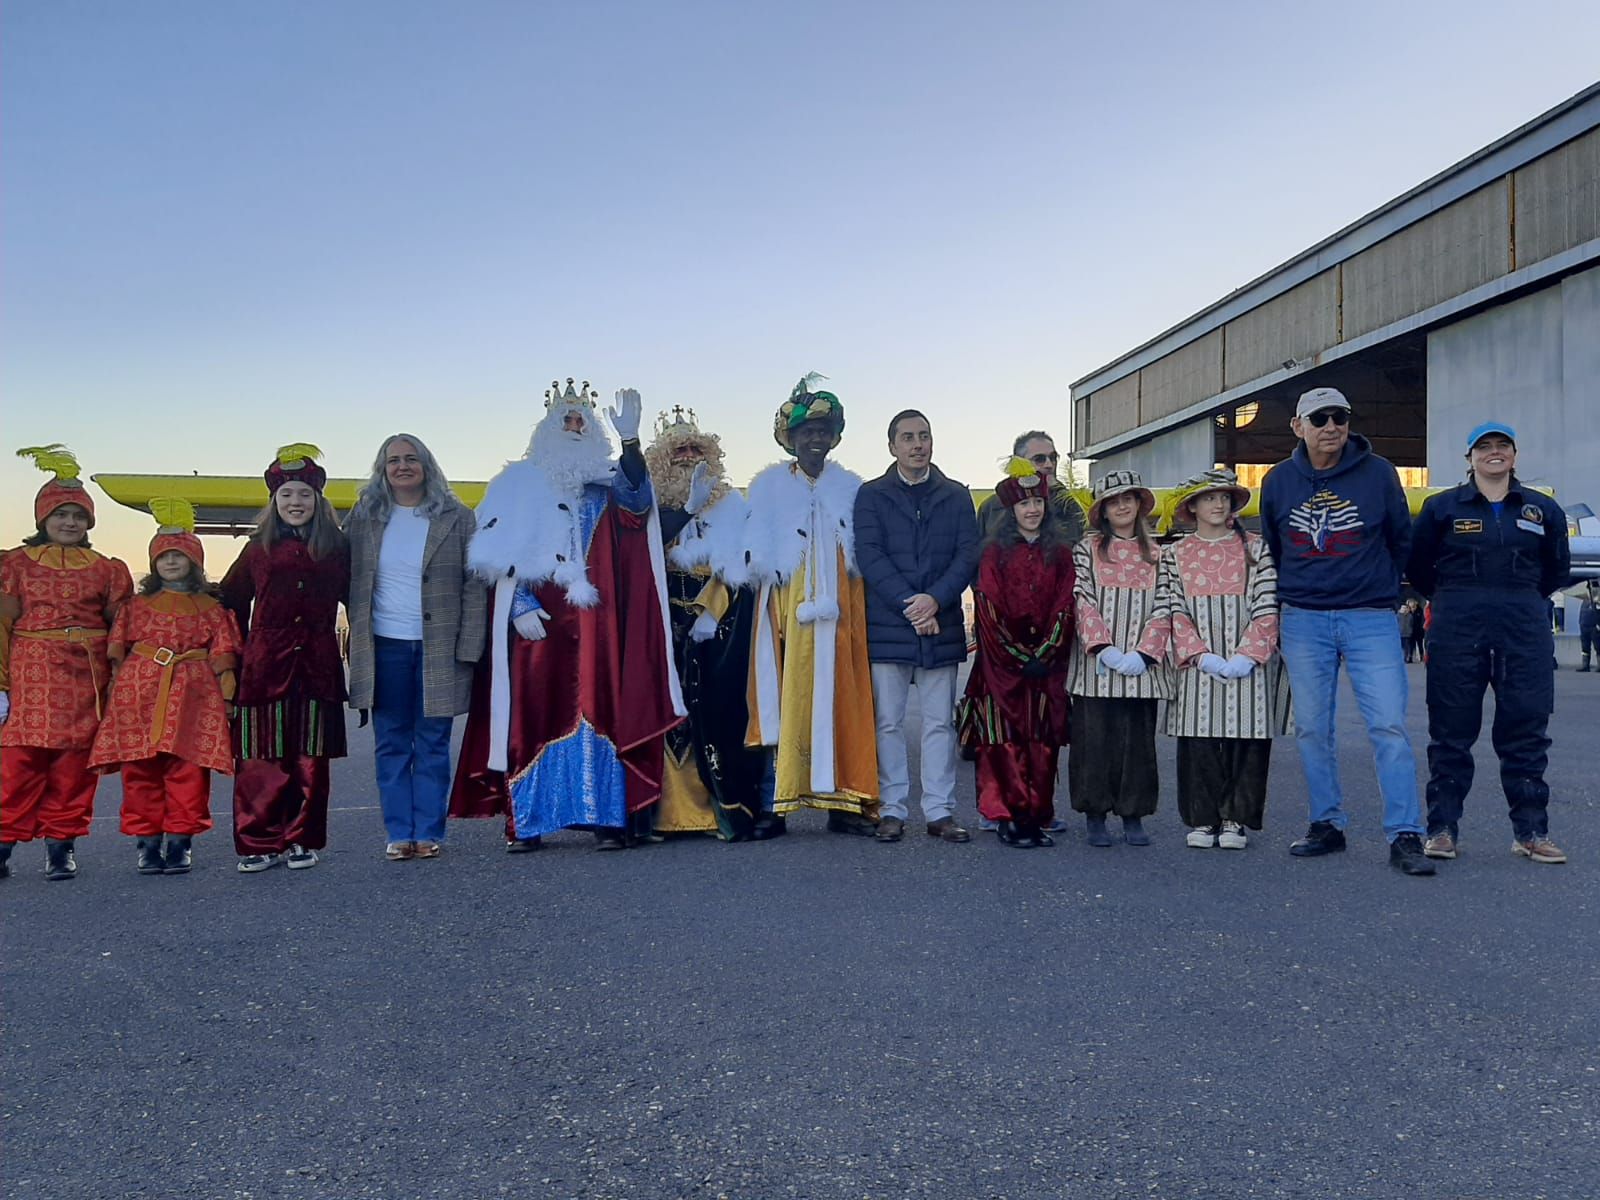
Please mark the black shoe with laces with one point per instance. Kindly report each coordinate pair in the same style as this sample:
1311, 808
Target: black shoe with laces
1405, 854
1323, 837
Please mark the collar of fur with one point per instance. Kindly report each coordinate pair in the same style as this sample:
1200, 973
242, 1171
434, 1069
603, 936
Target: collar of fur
785, 506
715, 539
529, 528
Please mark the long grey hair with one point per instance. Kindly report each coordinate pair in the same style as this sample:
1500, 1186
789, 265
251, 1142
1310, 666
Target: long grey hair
376, 499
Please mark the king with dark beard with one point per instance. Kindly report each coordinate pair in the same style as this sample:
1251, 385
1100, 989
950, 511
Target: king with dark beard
712, 781
560, 734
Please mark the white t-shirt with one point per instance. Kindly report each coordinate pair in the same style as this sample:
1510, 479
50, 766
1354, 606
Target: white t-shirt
397, 593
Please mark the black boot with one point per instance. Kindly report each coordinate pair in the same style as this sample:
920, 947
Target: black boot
1585, 665
58, 860
150, 861
178, 860
5, 858
769, 826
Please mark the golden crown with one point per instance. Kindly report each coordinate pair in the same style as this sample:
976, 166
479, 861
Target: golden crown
554, 395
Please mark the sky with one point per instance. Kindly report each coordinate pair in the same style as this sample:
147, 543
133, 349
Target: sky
227, 225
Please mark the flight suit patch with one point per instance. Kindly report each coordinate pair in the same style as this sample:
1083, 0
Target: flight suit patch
1468, 526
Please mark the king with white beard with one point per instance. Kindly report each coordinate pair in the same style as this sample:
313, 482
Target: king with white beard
570, 544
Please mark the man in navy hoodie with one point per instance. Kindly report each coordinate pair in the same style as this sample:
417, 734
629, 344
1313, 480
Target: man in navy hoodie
1336, 520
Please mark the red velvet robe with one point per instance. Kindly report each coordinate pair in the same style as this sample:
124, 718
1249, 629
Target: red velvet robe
1018, 724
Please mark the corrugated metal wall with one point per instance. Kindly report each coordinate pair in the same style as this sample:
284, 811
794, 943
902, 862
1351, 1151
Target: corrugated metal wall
1539, 210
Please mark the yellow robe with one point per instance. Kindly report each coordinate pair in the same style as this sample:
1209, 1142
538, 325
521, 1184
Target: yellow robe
855, 748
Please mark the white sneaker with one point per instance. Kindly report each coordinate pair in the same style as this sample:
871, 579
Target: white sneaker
1201, 839
299, 858
1232, 836
251, 863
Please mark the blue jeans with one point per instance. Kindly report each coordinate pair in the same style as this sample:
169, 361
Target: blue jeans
412, 751
1313, 642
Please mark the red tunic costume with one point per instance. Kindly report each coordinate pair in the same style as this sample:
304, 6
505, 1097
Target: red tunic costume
58, 602
166, 724
291, 692
1016, 722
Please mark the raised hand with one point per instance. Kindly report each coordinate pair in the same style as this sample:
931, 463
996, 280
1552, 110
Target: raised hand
699, 489
625, 414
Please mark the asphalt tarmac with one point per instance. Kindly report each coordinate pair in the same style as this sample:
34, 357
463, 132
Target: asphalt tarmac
821, 1016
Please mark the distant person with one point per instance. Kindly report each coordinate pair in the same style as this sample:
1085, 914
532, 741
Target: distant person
58, 598
1336, 521
1118, 670
285, 590
1038, 448
1014, 717
917, 546
1589, 622
417, 625
1417, 632
176, 651
1217, 590
1488, 553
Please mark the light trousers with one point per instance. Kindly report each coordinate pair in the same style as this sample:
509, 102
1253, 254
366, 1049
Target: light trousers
936, 696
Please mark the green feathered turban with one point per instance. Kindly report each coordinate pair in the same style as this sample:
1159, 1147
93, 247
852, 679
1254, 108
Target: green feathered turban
805, 405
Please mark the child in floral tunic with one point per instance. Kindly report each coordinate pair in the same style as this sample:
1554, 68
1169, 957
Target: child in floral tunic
166, 726
1218, 594
1117, 671
57, 600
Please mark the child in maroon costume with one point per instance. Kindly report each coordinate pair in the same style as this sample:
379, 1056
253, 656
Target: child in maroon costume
166, 725
1014, 714
285, 590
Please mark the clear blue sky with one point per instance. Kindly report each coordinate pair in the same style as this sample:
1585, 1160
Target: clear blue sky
227, 225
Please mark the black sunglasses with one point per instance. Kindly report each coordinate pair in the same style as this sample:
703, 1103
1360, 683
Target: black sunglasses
1339, 416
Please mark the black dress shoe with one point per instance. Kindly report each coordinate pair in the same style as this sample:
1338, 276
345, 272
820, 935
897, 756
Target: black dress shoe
522, 845
1323, 837
946, 830
890, 829
609, 839
1027, 836
769, 826
1006, 832
1405, 854
851, 823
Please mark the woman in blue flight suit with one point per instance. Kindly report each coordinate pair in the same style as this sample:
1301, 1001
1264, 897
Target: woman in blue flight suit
1488, 554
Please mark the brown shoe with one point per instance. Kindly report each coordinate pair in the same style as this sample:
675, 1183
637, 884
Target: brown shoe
1541, 849
399, 851
946, 830
1440, 845
890, 829
427, 850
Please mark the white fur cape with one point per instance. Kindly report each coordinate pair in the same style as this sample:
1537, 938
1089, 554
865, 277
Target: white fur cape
777, 533
715, 539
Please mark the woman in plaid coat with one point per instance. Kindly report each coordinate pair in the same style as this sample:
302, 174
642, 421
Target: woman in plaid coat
416, 629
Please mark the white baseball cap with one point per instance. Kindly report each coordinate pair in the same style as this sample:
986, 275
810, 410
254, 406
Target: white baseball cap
1318, 399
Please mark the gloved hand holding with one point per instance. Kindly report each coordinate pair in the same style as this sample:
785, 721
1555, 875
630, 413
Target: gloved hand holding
1132, 664
1035, 668
5, 706
1213, 664
1238, 666
699, 489
704, 628
625, 416
1110, 658
531, 624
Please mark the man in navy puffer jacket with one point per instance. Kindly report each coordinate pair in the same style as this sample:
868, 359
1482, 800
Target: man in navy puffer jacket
917, 548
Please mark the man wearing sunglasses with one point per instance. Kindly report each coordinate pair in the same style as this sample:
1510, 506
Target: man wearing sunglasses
1039, 448
1336, 520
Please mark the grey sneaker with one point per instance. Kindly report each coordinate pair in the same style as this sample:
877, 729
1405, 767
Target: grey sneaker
299, 858
251, 863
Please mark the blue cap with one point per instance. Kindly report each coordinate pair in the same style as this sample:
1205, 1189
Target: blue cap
1488, 427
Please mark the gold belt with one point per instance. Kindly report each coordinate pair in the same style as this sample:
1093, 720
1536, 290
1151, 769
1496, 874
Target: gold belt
165, 658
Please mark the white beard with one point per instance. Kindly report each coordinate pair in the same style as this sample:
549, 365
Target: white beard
571, 460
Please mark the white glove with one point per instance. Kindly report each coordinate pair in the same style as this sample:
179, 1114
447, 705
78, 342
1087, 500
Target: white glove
625, 416
1110, 658
531, 624
1132, 664
704, 628
1238, 666
1214, 664
699, 489
5, 706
